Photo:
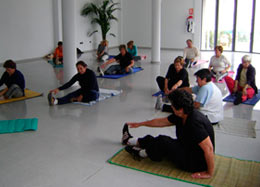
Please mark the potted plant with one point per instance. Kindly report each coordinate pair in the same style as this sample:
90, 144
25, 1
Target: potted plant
101, 14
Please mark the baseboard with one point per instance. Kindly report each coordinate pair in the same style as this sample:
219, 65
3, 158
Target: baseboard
162, 48
86, 51
25, 60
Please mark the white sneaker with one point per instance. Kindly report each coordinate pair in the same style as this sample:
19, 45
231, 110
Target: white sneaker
100, 71
158, 104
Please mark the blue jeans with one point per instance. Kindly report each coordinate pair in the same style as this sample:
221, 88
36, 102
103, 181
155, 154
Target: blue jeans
91, 95
116, 69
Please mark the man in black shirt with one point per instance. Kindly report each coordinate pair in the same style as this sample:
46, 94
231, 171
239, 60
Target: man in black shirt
193, 150
125, 65
14, 81
89, 90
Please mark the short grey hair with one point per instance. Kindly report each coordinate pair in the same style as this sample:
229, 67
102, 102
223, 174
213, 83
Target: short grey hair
246, 58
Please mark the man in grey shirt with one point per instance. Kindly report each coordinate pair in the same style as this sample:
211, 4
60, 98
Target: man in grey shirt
190, 54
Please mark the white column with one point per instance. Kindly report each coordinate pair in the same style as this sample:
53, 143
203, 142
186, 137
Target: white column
57, 21
156, 31
197, 4
69, 38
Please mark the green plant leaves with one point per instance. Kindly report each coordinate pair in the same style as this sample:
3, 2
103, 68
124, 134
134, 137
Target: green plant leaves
101, 15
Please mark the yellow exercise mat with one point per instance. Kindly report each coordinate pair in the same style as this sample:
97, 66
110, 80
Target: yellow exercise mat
228, 171
28, 94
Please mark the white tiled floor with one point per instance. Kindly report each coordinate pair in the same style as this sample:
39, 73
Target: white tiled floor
73, 142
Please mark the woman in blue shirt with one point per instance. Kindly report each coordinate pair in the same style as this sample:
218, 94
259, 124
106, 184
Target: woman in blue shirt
132, 49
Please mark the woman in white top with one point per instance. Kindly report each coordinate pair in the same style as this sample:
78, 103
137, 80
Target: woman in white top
219, 64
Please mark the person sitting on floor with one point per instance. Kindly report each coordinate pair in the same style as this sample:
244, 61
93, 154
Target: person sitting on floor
176, 77
125, 65
89, 90
132, 49
244, 86
208, 96
192, 150
102, 51
190, 54
58, 54
14, 81
219, 65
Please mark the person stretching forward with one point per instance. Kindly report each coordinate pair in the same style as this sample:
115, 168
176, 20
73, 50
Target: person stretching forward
89, 90
192, 150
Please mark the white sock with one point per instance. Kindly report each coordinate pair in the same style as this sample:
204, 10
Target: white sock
55, 101
161, 105
132, 141
143, 153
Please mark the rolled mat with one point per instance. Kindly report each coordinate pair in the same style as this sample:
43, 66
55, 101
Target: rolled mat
252, 101
18, 125
117, 76
228, 171
199, 62
28, 95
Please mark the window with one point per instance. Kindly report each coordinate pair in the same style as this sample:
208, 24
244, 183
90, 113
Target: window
208, 25
256, 42
244, 23
225, 24
234, 24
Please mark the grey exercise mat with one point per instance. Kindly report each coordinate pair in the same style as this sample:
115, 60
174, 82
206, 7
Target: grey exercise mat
237, 127
232, 126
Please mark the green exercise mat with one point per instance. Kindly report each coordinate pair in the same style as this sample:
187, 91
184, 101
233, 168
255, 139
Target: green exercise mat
18, 125
229, 171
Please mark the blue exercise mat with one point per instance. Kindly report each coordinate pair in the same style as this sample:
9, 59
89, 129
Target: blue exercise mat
55, 65
117, 76
18, 125
111, 56
158, 93
252, 101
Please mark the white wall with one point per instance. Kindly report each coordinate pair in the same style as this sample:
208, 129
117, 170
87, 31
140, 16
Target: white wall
31, 29
27, 26
26, 29
137, 22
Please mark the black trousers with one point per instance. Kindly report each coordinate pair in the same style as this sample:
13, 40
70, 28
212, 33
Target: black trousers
91, 95
136, 58
165, 147
187, 63
167, 108
160, 81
